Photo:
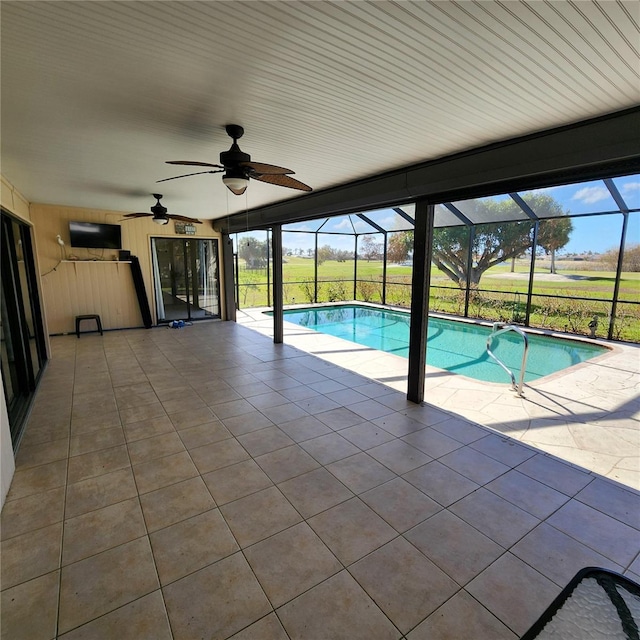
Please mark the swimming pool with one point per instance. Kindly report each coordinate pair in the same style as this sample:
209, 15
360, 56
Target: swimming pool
459, 347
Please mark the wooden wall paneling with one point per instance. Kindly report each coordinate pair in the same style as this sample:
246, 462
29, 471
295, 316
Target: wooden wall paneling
88, 287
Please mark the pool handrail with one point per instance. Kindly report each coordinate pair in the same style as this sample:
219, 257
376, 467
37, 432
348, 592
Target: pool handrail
498, 328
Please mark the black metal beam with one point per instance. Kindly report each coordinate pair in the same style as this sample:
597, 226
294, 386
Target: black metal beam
384, 268
532, 269
404, 215
458, 214
229, 288
368, 220
268, 272
467, 293
616, 195
278, 315
616, 287
613, 190
422, 249
315, 270
524, 206
355, 266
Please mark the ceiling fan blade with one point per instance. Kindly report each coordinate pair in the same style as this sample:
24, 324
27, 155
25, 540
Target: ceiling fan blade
137, 215
283, 181
197, 173
270, 169
195, 164
237, 192
173, 216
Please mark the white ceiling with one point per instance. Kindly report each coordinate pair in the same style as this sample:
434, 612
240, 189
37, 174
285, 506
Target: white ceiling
97, 95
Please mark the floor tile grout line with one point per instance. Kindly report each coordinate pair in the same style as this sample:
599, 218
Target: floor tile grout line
570, 497
118, 608
243, 549
148, 535
380, 608
517, 635
64, 507
261, 331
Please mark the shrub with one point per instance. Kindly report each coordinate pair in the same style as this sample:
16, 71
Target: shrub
308, 290
368, 291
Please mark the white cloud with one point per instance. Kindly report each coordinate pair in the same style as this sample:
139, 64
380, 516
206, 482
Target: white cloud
388, 222
589, 195
344, 224
630, 187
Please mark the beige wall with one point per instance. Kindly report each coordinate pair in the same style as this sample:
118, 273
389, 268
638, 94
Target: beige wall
7, 462
76, 288
12, 200
104, 287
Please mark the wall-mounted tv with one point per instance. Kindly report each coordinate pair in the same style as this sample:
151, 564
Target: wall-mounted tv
92, 235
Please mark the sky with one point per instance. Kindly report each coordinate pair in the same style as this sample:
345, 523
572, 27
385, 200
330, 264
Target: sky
598, 233
590, 233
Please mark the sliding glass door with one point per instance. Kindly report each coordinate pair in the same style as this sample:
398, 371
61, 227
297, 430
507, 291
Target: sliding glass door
185, 275
23, 351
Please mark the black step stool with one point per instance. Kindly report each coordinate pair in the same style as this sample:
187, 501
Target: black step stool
95, 317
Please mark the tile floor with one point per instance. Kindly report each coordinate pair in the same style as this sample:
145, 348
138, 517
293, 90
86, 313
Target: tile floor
205, 483
588, 415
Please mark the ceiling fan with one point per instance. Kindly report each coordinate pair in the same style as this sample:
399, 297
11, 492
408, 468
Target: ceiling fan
238, 168
159, 214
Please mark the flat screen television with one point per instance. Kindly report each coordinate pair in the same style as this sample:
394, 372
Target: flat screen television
92, 235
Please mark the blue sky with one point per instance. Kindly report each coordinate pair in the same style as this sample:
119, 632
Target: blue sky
598, 233
590, 233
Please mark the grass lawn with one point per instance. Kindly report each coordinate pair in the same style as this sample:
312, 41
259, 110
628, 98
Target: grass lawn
501, 296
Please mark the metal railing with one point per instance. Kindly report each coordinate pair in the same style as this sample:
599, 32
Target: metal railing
499, 328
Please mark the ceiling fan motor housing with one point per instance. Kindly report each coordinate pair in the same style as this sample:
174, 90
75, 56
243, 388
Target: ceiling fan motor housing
238, 168
158, 210
231, 159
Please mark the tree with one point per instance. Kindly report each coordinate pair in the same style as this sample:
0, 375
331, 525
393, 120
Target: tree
399, 246
324, 253
370, 249
493, 243
253, 252
553, 235
630, 260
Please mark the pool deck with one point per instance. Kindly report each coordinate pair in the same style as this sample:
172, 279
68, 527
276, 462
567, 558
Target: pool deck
588, 415
204, 482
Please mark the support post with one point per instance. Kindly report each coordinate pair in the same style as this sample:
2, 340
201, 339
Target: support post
355, 267
278, 315
384, 270
315, 272
532, 269
229, 279
472, 239
269, 255
422, 251
616, 287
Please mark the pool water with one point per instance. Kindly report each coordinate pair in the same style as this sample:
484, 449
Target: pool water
459, 347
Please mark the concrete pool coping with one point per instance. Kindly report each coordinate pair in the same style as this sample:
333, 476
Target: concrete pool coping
588, 414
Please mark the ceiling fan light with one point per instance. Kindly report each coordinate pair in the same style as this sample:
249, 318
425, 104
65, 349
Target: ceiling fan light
237, 183
161, 220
